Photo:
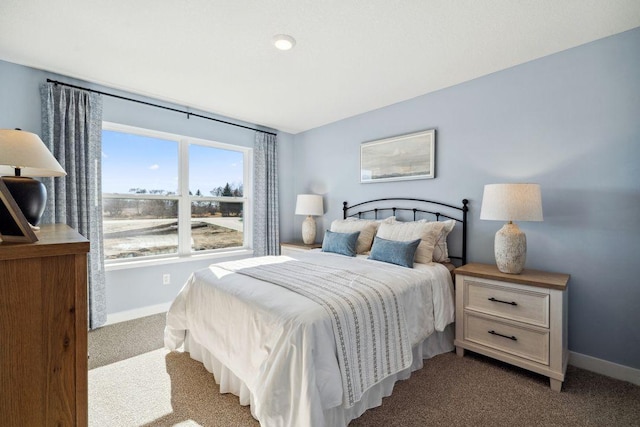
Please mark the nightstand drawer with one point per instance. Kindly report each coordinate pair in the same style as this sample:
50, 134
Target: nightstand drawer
287, 250
290, 250
510, 303
293, 248
528, 343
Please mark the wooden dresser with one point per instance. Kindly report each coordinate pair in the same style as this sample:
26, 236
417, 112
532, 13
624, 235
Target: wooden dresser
517, 318
43, 329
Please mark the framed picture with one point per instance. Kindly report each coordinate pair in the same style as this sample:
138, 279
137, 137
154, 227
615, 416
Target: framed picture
399, 158
13, 225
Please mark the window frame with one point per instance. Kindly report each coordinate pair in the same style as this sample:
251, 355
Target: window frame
185, 200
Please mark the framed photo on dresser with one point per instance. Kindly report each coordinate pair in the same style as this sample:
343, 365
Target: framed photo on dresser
13, 225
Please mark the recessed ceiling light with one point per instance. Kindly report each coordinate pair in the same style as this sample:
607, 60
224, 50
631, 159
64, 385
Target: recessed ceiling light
283, 41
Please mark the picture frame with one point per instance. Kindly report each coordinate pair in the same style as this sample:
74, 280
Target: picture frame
399, 158
14, 227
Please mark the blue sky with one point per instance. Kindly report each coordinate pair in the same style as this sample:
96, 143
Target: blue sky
134, 161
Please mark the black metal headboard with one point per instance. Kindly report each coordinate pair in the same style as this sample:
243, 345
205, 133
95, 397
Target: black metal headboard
429, 207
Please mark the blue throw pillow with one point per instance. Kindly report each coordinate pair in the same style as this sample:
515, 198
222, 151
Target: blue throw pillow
340, 243
394, 252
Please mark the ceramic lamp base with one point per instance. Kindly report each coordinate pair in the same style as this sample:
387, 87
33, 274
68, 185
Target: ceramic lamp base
510, 249
30, 196
309, 230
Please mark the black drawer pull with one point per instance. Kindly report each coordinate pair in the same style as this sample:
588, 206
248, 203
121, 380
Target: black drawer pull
504, 336
504, 302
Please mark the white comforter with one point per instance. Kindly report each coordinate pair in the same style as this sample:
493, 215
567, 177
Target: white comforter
281, 344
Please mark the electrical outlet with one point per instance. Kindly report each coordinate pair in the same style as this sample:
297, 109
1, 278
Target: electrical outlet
166, 279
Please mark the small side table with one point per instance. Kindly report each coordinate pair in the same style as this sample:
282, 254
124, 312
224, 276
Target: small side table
520, 319
290, 248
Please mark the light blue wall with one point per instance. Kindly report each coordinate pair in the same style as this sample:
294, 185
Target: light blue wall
130, 289
570, 122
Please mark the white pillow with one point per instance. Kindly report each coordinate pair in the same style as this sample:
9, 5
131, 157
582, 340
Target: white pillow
428, 232
388, 219
367, 229
441, 250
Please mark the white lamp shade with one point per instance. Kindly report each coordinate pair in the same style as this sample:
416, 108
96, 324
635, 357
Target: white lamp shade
309, 204
25, 150
511, 202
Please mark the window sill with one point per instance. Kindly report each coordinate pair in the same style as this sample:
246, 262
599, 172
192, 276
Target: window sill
173, 259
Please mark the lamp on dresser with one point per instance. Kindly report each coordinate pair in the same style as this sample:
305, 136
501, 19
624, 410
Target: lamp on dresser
23, 155
511, 202
310, 205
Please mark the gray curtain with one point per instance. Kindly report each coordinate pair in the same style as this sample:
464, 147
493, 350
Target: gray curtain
72, 129
266, 229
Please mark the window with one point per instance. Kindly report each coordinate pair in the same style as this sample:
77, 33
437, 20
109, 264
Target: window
166, 194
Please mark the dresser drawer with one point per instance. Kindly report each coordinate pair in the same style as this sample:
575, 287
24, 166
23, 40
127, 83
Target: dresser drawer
510, 303
528, 343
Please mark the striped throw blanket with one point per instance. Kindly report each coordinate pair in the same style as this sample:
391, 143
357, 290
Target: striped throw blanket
368, 319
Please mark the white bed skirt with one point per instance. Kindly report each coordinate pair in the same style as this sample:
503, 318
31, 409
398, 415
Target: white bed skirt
436, 343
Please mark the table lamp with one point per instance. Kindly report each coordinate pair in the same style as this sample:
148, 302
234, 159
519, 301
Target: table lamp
310, 205
511, 202
23, 155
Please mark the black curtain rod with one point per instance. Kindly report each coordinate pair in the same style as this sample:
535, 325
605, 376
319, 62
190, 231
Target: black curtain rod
189, 114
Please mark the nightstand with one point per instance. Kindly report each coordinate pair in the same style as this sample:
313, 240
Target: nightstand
290, 248
520, 319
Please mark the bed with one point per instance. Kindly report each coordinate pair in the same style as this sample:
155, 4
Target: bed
317, 338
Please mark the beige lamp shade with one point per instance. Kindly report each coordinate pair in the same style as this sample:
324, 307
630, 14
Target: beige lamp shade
310, 205
511, 202
26, 151
23, 155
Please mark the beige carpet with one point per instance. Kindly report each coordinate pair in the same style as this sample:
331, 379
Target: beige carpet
126, 339
160, 388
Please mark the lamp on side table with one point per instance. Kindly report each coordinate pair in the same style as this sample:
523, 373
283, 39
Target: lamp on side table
511, 202
310, 205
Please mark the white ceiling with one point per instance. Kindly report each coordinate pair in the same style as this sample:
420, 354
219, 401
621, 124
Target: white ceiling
351, 56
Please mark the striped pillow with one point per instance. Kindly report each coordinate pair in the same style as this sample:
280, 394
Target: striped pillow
366, 227
441, 250
428, 232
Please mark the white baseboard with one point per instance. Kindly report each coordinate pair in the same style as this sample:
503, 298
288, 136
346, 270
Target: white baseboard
123, 316
604, 367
